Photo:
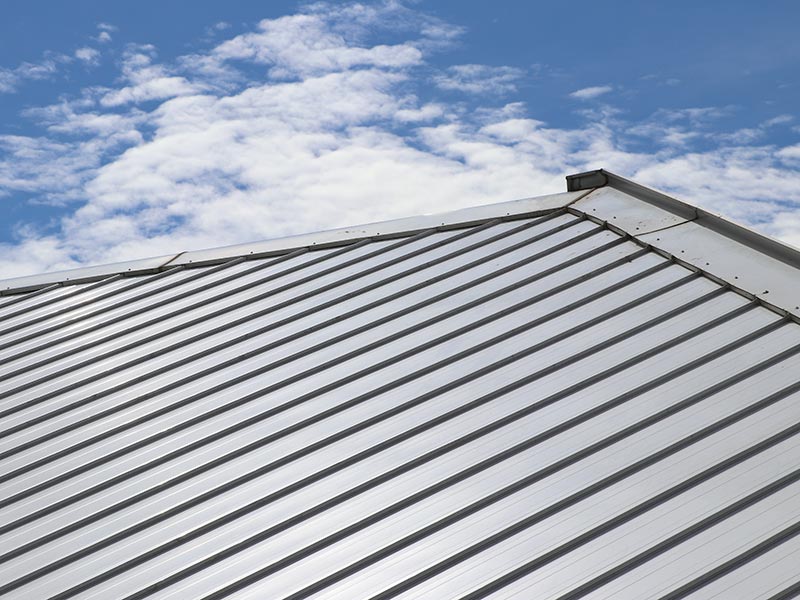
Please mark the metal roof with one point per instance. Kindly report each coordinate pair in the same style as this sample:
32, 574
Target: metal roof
585, 395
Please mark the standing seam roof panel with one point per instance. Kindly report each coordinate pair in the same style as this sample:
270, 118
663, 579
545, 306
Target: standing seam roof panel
518, 407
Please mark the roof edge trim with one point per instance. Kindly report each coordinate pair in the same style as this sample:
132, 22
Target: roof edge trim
465, 217
739, 233
727, 253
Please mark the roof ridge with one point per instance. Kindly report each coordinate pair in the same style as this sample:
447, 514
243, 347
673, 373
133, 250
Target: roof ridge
401, 227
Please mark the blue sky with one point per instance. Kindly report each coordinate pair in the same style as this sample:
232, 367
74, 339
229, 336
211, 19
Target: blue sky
137, 129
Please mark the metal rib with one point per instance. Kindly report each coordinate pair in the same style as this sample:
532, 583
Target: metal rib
154, 305
398, 409
658, 499
466, 408
221, 366
236, 306
303, 354
327, 256
763, 547
528, 521
586, 493
464, 473
264, 264
218, 329
793, 591
27, 295
403, 241
329, 387
137, 283
4, 316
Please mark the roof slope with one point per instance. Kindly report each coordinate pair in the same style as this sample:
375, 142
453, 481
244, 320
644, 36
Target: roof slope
540, 399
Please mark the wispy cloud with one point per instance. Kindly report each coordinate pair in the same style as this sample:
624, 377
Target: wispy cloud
12, 78
778, 120
480, 79
198, 152
104, 31
695, 115
47, 67
588, 93
682, 127
213, 31
87, 55
146, 80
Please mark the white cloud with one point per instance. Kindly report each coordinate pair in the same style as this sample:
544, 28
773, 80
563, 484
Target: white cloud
11, 79
682, 127
696, 115
8, 81
89, 56
304, 45
779, 120
588, 93
479, 79
41, 70
147, 81
423, 113
105, 30
199, 153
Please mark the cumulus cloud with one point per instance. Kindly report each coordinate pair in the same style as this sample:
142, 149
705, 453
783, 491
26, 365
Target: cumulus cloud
315, 120
306, 45
589, 93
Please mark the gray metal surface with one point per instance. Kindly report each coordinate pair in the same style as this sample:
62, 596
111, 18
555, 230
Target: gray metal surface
720, 252
395, 228
536, 407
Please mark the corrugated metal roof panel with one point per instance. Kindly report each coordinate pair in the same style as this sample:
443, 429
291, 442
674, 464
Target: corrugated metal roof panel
522, 406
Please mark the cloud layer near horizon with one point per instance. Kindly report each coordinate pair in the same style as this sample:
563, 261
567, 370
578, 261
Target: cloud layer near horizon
313, 121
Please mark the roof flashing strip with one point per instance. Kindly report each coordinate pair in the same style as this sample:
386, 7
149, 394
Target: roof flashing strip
739, 233
465, 217
751, 264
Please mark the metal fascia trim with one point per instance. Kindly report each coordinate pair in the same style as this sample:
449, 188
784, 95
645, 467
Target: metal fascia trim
739, 233
747, 239
651, 196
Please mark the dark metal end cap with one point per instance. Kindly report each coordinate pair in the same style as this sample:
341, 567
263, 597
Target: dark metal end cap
587, 180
